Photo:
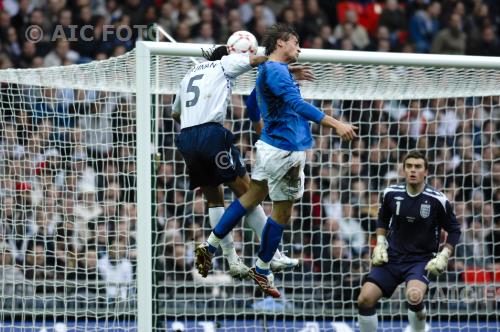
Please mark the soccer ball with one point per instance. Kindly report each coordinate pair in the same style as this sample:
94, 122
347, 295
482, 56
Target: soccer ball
242, 42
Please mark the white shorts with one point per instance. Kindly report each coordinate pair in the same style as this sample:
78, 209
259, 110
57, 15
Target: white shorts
283, 170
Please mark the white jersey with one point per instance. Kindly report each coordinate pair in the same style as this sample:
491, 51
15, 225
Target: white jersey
204, 91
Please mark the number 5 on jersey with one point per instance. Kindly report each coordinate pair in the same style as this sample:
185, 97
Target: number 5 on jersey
194, 89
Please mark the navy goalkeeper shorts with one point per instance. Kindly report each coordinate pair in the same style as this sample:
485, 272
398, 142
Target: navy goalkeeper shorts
210, 155
388, 276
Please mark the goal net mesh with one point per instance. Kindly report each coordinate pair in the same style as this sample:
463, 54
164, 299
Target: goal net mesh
68, 193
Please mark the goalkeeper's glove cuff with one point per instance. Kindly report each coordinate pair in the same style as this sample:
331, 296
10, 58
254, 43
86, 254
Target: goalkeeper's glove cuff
445, 253
381, 240
438, 264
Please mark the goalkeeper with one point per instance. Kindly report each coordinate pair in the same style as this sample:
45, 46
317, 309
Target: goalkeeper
412, 214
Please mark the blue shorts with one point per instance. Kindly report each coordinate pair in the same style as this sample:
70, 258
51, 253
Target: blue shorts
388, 276
210, 155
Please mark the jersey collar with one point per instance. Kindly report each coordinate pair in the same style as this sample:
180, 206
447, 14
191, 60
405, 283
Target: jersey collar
415, 195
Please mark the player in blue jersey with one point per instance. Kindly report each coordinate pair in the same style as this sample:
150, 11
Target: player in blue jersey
409, 225
280, 158
207, 147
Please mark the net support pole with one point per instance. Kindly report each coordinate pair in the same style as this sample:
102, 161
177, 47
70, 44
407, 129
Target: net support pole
143, 153
157, 98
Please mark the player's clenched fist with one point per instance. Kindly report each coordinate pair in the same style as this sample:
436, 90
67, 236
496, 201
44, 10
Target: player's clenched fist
379, 256
437, 265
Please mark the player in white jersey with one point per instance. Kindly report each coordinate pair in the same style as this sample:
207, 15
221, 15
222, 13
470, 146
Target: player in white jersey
207, 147
205, 89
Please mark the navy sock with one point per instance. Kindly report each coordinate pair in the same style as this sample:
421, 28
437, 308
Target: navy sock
366, 311
416, 307
229, 219
271, 238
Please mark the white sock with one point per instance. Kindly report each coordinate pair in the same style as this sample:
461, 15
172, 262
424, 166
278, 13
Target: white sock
262, 265
256, 219
368, 323
227, 244
417, 320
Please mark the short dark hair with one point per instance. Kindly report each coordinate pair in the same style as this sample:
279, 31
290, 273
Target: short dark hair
215, 53
274, 33
416, 155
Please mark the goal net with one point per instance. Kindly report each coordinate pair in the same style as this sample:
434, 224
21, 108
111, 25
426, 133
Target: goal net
71, 225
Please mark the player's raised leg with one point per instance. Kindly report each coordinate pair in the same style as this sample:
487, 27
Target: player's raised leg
367, 302
271, 238
215, 201
256, 219
256, 193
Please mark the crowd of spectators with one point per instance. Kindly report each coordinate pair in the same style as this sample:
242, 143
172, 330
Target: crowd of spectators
68, 208
68, 203
83, 30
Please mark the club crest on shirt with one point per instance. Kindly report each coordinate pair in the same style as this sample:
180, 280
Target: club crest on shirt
425, 210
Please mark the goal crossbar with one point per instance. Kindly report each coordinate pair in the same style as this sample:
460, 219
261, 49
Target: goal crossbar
344, 57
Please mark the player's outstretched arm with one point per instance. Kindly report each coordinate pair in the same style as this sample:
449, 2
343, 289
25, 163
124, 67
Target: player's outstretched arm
379, 255
281, 84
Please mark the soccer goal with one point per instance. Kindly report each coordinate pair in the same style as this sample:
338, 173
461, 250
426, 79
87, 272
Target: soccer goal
98, 225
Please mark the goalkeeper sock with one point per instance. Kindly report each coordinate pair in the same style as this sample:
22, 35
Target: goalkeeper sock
271, 238
256, 219
229, 219
227, 243
417, 320
368, 323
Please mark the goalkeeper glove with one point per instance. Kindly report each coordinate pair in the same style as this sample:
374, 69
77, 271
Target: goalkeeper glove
438, 264
379, 256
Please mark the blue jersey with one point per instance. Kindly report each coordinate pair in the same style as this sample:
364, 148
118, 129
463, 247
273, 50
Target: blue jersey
414, 223
285, 113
